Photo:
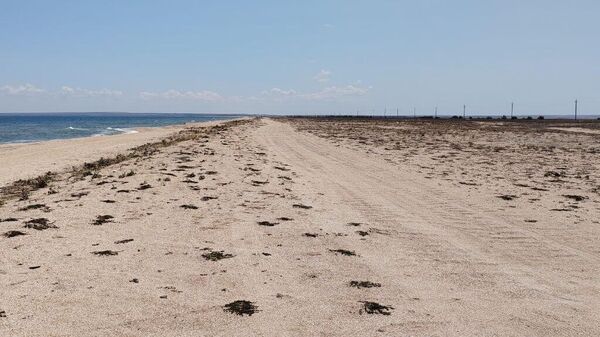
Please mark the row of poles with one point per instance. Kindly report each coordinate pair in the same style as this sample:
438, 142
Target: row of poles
512, 110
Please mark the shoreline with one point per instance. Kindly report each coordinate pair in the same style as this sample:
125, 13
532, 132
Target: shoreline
126, 131
133, 130
27, 160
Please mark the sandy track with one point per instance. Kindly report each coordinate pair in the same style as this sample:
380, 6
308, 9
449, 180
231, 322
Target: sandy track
462, 258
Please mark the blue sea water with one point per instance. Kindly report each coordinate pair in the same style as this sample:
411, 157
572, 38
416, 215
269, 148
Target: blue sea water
34, 127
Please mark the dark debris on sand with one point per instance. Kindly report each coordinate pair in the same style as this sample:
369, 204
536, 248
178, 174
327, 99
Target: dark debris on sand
9, 220
507, 197
102, 219
574, 197
343, 252
144, 186
42, 207
123, 241
79, 194
258, 182
189, 206
267, 223
216, 255
301, 206
39, 224
364, 284
105, 253
375, 308
241, 308
12, 234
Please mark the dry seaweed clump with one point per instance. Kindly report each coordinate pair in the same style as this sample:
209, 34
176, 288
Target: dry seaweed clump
105, 253
364, 284
267, 223
343, 252
12, 234
241, 308
23, 187
42, 207
189, 206
102, 219
375, 308
39, 224
216, 256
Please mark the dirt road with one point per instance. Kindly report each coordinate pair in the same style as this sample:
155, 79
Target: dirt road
449, 263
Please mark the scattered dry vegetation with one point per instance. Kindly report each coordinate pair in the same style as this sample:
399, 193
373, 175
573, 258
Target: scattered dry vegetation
21, 189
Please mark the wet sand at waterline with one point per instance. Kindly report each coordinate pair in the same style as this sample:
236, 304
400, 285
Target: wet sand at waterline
303, 227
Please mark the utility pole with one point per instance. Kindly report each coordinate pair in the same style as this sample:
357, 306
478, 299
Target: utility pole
435, 113
384, 112
575, 109
464, 111
415, 113
512, 109
397, 112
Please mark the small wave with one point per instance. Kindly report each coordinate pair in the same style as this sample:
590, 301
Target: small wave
21, 141
78, 129
122, 130
110, 131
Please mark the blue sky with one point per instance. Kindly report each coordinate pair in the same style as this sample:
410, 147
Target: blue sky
299, 56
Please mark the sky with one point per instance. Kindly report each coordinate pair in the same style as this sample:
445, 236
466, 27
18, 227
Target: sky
300, 57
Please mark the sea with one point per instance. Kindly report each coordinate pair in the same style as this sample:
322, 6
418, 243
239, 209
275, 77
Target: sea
35, 127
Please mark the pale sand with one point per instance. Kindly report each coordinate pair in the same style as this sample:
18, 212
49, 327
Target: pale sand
33, 159
18, 161
452, 259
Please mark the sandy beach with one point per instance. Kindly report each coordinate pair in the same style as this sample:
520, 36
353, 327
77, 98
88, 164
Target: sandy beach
305, 227
27, 160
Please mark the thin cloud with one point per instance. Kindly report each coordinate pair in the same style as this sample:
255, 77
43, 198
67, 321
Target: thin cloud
323, 76
22, 89
279, 92
328, 93
331, 93
79, 92
205, 95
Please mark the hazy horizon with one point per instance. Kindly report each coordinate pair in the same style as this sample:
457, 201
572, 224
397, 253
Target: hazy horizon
313, 57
